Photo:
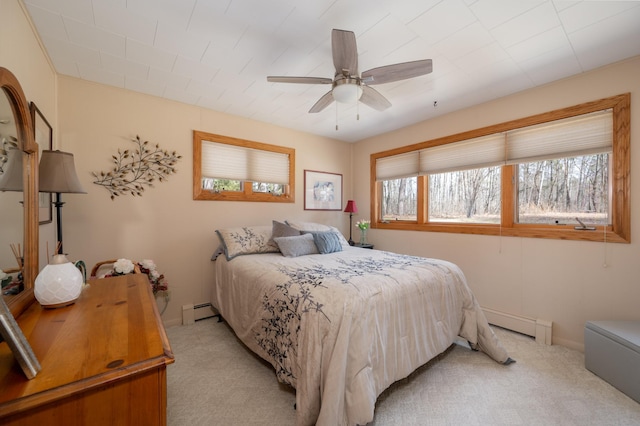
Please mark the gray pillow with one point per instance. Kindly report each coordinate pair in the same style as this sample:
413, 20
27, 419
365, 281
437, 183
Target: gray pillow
298, 245
318, 227
326, 241
279, 229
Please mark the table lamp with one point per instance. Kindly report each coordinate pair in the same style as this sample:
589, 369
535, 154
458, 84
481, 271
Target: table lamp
351, 209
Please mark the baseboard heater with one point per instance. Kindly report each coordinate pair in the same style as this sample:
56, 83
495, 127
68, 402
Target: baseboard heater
193, 313
540, 329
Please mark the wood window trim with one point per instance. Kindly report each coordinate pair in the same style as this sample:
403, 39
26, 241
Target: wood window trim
620, 229
247, 194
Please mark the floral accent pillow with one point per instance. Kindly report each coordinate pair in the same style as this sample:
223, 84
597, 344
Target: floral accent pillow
218, 252
246, 240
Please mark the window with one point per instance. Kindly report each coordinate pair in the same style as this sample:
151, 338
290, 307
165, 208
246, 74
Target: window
565, 190
467, 196
562, 174
269, 188
400, 199
230, 169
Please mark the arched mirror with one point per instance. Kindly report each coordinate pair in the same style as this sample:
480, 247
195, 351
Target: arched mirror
18, 195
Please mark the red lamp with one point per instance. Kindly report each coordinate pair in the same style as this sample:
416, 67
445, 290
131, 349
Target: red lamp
351, 209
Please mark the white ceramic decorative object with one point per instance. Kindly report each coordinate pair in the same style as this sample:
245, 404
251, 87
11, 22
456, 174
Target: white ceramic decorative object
59, 283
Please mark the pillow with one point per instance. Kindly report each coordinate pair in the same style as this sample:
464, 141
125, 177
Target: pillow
308, 226
298, 245
280, 229
218, 252
326, 241
315, 227
246, 240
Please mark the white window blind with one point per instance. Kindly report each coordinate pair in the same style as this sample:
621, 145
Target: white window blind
398, 166
485, 151
224, 161
570, 137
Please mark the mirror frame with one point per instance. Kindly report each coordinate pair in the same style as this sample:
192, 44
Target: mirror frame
11, 87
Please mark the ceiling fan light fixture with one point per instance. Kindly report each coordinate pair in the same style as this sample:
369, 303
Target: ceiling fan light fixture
348, 84
346, 91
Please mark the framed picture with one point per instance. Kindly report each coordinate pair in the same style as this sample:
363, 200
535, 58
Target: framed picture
12, 334
43, 133
322, 190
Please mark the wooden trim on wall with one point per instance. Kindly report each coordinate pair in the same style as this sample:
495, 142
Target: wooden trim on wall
247, 194
620, 229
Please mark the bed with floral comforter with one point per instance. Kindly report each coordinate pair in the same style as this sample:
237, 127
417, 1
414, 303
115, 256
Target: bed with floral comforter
342, 327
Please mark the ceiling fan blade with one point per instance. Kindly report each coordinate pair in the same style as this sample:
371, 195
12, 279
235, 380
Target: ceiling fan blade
374, 99
345, 52
303, 80
396, 72
323, 102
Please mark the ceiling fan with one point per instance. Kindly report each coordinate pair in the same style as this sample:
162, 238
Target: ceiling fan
348, 84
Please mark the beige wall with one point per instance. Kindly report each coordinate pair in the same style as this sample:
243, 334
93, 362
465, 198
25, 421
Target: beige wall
166, 224
561, 281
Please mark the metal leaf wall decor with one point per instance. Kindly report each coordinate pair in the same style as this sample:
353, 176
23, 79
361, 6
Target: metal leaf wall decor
137, 169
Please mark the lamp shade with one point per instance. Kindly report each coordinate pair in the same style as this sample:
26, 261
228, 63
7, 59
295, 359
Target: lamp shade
59, 283
58, 173
351, 207
11, 177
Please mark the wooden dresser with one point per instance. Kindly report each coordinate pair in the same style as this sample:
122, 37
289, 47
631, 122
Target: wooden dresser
103, 360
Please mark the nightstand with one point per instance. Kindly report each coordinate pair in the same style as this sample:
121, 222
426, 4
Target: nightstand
365, 246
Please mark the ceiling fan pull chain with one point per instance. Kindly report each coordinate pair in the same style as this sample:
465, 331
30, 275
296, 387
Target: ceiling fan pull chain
357, 107
336, 116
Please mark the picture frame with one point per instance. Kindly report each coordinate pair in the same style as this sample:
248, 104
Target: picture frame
43, 134
322, 190
11, 333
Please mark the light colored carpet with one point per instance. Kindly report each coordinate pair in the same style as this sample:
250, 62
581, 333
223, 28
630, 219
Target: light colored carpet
217, 381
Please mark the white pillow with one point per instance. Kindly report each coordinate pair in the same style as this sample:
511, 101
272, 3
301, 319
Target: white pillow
299, 245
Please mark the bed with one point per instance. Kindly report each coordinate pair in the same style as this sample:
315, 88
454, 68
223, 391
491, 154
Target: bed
340, 324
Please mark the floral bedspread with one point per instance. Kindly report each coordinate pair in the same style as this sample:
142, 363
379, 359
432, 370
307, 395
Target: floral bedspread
342, 327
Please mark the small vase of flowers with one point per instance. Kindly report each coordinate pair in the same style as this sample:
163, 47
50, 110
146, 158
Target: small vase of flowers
363, 225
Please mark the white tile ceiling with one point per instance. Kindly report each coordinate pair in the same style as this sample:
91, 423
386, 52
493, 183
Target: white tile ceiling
217, 53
